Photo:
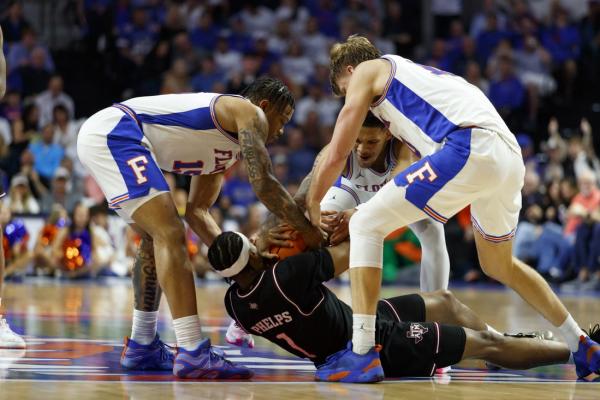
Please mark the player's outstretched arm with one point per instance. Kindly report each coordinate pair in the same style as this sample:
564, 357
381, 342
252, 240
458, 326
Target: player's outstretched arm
252, 134
359, 96
204, 191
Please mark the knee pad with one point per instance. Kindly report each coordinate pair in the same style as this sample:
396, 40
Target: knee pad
366, 242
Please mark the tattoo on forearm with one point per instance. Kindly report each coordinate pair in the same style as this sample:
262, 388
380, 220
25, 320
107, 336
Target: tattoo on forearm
146, 288
260, 173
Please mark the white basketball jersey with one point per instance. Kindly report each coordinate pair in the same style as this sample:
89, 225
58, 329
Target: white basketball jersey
183, 133
358, 185
422, 105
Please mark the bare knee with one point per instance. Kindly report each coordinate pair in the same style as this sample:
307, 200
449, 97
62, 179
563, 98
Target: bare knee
499, 269
450, 302
170, 235
491, 339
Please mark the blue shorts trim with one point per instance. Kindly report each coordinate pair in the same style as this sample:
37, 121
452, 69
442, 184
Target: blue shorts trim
125, 144
429, 175
492, 238
338, 183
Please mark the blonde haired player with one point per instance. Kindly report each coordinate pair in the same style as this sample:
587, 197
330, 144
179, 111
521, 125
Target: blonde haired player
8, 338
469, 157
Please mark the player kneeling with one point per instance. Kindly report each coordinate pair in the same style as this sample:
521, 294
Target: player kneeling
287, 303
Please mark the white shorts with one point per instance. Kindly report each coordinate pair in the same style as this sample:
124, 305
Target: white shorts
343, 196
112, 147
474, 167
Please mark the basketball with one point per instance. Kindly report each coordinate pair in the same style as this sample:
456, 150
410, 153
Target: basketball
284, 252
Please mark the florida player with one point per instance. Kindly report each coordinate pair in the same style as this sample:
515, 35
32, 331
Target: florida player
469, 156
289, 305
125, 146
374, 160
8, 338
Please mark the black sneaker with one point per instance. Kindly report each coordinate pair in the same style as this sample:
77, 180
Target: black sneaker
542, 335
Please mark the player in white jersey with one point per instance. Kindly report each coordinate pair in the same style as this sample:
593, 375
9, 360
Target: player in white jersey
374, 161
8, 338
469, 157
125, 146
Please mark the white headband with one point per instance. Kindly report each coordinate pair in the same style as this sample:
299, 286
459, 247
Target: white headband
241, 262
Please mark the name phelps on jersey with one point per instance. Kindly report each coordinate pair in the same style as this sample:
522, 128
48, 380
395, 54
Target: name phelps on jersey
266, 324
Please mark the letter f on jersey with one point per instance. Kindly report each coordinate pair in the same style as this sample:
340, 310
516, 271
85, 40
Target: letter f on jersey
420, 174
138, 165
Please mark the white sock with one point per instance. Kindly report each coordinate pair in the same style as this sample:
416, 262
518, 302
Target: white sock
571, 332
187, 332
363, 333
491, 329
143, 329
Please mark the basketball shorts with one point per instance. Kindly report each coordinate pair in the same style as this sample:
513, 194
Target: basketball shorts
112, 147
410, 347
474, 167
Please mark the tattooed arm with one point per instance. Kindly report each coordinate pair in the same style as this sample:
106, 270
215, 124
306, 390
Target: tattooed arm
146, 290
252, 134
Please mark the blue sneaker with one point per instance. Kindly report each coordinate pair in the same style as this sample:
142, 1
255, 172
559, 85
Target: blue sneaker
155, 356
207, 363
347, 366
587, 357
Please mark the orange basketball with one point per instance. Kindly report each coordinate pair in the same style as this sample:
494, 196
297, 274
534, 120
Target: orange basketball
284, 252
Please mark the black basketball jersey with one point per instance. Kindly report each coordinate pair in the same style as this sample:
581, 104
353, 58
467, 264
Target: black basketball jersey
290, 307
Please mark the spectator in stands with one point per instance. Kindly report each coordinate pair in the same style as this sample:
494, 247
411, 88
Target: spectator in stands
489, 38
237, 193
138, 37
256, 17
209, 75
298, 66
300, 156
585, 204
561, 38
65, 130
43, 259
20, 52
106, 253
227, 60
204, 35
14, 23
15, 240
586, 258
33, 77
507, 93
60, 192
19, 199
177, 79
75, 248
50, 98
46, 153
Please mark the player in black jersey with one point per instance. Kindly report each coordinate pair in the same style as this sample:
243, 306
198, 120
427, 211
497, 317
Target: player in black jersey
287, 304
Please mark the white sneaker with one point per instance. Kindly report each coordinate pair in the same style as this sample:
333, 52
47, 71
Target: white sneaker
238, 337
9, 339
8, 358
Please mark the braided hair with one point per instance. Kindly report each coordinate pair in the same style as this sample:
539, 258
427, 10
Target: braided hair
225, 250
266, 88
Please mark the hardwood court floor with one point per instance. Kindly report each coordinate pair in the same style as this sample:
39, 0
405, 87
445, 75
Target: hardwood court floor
74, 333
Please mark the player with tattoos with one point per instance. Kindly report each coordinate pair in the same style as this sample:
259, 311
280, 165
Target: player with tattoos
8, 338
125, 146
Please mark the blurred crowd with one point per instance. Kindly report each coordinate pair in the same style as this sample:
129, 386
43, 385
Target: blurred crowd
537, 61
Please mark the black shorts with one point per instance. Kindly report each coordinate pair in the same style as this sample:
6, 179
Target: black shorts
413, 348
402, 308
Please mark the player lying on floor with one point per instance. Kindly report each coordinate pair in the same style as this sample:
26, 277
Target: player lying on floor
288, 304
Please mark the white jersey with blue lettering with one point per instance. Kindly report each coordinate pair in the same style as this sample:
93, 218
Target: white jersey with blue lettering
357, 185
126, 146
422, 105
184, 134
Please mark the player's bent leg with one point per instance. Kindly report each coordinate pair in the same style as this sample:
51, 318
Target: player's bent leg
195, 357
443, 307
514, 353
435, 262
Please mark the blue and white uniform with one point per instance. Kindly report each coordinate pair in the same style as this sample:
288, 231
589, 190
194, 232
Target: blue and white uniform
469, 156
358, 185
126, 146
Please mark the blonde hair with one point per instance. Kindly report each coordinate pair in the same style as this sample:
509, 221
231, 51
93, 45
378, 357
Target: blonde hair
353, 51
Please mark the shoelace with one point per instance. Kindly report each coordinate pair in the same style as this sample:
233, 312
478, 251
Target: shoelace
594, 331
165, 351
215, 355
